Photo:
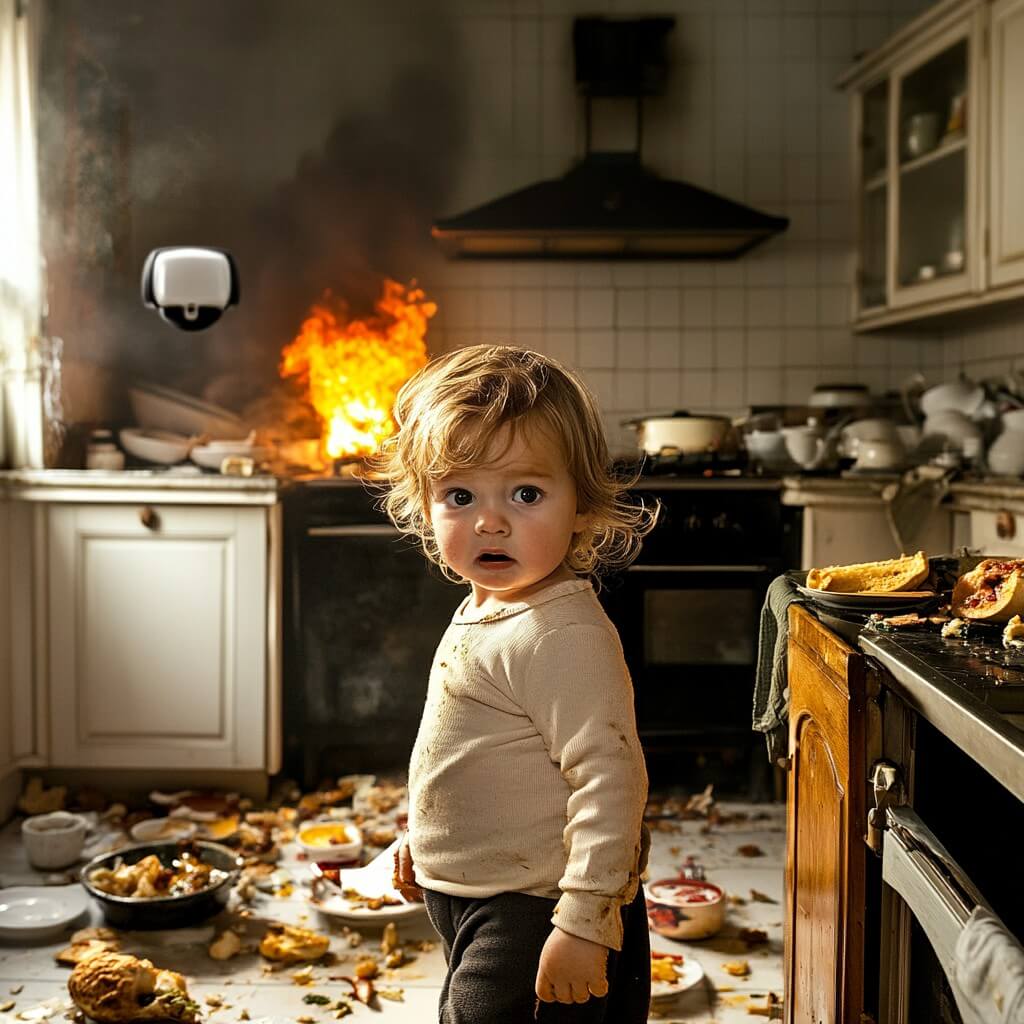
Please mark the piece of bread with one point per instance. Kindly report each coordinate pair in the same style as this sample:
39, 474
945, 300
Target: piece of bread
889, 576
293, 944
112, 988
991, 592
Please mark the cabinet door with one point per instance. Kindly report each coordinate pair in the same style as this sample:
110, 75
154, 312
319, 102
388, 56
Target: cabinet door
935, 140
997, 533
1006, 186
157, 636
844, 534
826, 817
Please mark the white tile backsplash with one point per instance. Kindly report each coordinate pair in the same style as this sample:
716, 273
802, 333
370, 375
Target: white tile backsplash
751, 111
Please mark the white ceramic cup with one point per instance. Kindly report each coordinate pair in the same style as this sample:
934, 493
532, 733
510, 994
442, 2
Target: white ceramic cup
805, 445
53, 840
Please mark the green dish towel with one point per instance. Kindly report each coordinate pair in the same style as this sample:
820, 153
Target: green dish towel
771, 692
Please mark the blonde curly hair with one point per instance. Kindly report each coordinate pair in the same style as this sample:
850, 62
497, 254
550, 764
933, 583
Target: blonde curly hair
450, 411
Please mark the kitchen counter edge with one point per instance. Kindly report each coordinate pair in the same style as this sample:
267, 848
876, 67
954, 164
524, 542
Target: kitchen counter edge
983, 734
133, 485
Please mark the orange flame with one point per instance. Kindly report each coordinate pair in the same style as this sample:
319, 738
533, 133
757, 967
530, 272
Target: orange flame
354, 368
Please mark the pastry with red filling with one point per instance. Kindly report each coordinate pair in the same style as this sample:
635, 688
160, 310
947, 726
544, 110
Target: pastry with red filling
991, 592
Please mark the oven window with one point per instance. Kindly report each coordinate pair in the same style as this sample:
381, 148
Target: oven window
700, 627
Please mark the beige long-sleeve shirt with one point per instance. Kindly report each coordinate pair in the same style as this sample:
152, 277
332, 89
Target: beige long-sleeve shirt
527, 773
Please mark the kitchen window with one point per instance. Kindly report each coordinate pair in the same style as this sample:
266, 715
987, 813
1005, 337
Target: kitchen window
21, 295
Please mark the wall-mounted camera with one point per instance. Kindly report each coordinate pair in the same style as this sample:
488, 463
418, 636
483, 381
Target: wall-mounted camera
191, 286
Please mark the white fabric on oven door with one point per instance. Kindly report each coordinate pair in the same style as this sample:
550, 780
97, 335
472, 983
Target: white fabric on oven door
988, 972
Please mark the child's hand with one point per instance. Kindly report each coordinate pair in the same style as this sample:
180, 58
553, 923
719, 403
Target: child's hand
403, 878
571, 969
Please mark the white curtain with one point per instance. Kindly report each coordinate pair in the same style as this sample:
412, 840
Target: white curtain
21, 278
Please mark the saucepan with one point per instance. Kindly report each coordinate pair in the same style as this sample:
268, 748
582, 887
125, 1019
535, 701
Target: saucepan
680, 433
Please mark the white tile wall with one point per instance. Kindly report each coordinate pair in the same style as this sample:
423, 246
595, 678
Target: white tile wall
991, 346
751, 111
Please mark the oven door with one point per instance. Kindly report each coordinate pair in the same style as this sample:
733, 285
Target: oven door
364, 613
928, 901
689, 634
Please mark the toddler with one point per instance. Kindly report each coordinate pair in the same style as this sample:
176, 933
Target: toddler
527, 783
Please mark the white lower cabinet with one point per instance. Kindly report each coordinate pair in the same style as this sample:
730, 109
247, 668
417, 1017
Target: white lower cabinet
997, 533
847, 533
157, 629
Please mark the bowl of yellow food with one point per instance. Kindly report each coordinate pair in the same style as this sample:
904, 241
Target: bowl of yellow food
330, 840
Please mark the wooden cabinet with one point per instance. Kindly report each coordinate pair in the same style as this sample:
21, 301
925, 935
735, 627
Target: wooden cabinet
833, 726
156, 627
1006, 130
937, 114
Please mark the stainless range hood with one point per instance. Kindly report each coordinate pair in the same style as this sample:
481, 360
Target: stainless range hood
609, 206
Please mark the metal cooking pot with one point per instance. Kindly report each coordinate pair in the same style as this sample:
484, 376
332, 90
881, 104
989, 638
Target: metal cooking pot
680, 433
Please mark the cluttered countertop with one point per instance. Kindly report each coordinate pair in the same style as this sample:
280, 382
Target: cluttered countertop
964, 675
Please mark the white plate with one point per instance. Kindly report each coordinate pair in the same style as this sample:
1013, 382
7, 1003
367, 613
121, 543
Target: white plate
690, 973
30, 912
372, 880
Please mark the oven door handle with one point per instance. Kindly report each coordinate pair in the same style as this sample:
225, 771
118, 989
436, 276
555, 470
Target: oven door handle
935, 888
698, 568
356, 530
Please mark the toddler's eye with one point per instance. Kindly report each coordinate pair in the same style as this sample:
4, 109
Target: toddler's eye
527, 495
459, 497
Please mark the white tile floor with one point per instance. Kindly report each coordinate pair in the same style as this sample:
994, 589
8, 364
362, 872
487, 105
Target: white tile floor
722, 998
241, 983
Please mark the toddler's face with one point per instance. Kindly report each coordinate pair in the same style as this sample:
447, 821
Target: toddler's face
506, 525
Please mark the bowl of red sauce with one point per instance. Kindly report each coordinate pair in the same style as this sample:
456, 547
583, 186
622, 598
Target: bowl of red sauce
684, 908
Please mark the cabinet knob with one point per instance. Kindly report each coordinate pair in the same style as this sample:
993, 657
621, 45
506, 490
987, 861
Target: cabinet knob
1006, 524
149, 518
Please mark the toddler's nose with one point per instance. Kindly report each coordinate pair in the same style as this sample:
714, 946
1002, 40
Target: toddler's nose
491, 521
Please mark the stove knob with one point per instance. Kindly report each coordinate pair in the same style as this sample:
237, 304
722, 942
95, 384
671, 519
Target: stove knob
693, 522
720, 522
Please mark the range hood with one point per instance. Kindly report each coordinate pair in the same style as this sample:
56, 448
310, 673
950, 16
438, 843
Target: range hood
609, 206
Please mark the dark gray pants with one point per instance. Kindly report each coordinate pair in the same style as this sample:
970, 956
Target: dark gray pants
492, 948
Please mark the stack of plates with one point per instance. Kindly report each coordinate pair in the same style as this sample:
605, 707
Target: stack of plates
161, 408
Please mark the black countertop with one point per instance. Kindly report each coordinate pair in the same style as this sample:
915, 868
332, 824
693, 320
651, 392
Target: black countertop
971, 689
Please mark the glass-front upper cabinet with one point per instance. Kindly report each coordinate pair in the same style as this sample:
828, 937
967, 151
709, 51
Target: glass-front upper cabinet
916, 114
932, 136
874, 200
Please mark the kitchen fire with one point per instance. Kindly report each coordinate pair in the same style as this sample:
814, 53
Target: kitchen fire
351, 368
682, 617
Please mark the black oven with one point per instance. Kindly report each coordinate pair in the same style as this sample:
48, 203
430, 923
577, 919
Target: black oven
687, 611
362, 615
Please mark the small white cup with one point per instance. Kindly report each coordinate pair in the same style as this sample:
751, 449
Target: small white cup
53, 840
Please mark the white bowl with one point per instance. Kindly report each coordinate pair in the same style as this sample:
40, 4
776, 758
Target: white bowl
330, 840
161, 446
53, 840
210, 456
950, 427
838, 396
958, 395
164, 409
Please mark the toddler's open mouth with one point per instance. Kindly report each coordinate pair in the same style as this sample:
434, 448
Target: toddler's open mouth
494, 560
